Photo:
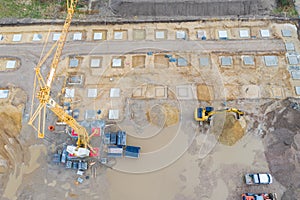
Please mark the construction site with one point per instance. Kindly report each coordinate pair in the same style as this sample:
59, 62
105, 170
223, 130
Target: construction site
161, 109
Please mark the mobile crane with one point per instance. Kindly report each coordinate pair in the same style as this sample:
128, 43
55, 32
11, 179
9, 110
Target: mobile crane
44, 97
205, 114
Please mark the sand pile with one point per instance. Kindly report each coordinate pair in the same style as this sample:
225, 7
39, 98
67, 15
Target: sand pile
232, 131
10, 124
163, 115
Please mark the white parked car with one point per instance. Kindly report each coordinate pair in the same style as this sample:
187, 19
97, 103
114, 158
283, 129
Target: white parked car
258, 178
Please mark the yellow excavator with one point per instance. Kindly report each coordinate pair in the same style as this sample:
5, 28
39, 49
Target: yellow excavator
205, 114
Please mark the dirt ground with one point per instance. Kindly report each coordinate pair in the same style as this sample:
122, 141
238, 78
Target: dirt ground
180, 159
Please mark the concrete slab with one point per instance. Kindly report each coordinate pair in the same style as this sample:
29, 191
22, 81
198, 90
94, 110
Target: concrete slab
137, 92
201, 34
226, 60
289, 46
244, 33
90, 114
222, 34
161, 92
271, 61
181, 35
17, 37
160, 34
115, 92
286, 33
118, 35
113, 114
297, 90
75, 80
92, 93
37, 37
11, 64
70, 93
74, 62
204, 61
184, 92
4, 94
95, 62
77, 36
56, 36
182, 62
117, 62
293, 59
98, 36
248, 60
251, 91
296, 75
277, 92
139, 34
265, 33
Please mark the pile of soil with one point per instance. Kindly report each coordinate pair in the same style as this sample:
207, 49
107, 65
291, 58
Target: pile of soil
232, 131
11, 118
283, 146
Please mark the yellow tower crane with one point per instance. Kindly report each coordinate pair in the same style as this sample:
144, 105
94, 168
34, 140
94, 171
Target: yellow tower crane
45, 99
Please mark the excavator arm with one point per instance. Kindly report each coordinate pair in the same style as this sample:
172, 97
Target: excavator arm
205, 114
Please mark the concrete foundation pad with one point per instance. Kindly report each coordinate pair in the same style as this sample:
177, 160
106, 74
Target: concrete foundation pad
184, 92
116, 62
271, 61
232, 92
296, 75
161, 92
37, 37
4, 94
92, 93
113, 114
160, 34
222, 34
293, 60
114, 92
17, 37
297, 90
277, 92
248, 60
265, 33
56, 36
226, 61
181, 35
90, 114
118, 35
286, 33
289, 46
95, 62
251, 91
137, 92
139, 34
70, 93
11, 64
244, 34
204, 61
77, 36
